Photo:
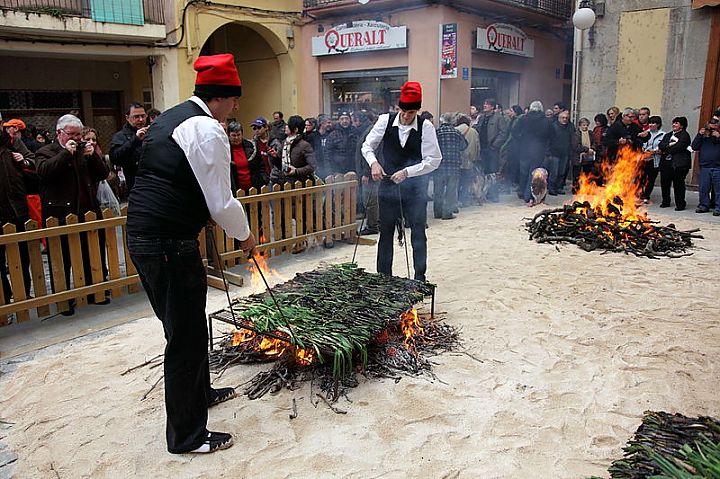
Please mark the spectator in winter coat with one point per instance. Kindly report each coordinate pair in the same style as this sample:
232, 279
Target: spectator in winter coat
277, 128
623, 132
15, 172
492, 129
369, 186
651, 168
598, 137
533, 131
470, 160
126, 144
560, 149
447, 176
70, 171
246, 168
675, 164
583, 156
340, 147
297, 159
325, 127
267, 149
707, 142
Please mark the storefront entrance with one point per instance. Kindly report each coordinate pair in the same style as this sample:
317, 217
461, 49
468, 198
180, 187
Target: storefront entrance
504, 87
374, 90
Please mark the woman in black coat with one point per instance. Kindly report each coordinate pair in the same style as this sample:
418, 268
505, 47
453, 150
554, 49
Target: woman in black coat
675, 163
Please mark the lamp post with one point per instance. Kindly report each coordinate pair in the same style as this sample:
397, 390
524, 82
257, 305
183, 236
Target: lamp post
583, 19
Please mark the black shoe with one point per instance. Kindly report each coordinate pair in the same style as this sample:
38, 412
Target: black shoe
368, 231
451, 217
328, 243
102, 302
221, 395
561, 192
215, 441
552, 193
664, 205
716, 213
679, 208
456, 211
702, 209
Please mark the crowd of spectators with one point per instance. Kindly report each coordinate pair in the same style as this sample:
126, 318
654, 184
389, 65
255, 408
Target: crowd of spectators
486, 151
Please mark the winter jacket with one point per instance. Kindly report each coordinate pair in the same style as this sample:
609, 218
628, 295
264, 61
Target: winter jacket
68, 183
13, 202
302, 157
258, 178
125, 149
471, 154
452, 143
619, 130
709, 148
340, 150
497, 130
678, 152
561, 139
532, 132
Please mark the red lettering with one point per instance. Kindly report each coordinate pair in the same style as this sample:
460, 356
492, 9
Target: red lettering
382, 36
358, 39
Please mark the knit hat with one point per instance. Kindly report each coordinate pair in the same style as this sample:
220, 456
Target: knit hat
410, 96
217, 76
16, 123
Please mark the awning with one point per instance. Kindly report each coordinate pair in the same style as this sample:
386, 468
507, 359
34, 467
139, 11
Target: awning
705, 3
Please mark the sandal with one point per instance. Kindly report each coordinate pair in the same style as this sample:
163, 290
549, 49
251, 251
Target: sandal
221, 395
215, 442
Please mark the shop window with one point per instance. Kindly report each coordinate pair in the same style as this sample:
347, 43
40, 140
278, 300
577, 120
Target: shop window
373, 90
502, 86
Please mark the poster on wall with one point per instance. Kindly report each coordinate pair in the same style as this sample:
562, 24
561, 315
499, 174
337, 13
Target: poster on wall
360, 36
448, 51
505, 38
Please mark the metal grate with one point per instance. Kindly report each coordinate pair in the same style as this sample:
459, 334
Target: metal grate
114, 11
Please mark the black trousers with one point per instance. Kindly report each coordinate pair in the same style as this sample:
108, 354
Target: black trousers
674, 177
650, 174
175, 281
413, 192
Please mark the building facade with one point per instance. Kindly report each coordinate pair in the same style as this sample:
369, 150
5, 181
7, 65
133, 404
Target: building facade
85, 57
356, 56
663, 54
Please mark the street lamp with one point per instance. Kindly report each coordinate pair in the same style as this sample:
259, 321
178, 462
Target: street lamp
583, 19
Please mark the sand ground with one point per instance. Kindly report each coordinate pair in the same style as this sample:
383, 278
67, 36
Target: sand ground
574, 347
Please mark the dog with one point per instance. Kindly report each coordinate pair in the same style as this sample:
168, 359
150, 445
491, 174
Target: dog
538, 186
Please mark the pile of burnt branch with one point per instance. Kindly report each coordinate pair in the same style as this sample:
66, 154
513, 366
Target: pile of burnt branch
591, 229
330, 325
671, 445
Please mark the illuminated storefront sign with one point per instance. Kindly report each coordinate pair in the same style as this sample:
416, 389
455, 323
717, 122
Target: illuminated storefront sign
504, 38
362, 36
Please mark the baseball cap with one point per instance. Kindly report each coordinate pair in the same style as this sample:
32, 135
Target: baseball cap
259, 121
16, 123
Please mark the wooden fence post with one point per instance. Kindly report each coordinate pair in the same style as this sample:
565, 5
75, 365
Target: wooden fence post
113, 252
129, 266
57, 270
37, 271
17, 284
76, 259
96, 266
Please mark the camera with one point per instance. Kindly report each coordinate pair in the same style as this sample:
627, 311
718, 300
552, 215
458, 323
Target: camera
81, 145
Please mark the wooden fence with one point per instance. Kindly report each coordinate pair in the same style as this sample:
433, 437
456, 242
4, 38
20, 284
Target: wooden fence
282, 219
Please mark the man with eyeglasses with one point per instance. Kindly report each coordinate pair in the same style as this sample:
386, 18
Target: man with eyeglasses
70, 170
126, 144
624, 132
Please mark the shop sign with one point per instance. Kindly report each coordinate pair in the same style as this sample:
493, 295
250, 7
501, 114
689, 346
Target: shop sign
362, 36
504, 38
448, 48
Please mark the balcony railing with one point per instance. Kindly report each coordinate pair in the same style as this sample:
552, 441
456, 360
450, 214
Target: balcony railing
556, 8
131, 12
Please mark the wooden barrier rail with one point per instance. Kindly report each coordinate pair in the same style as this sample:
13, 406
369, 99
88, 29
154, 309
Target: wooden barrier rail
282, 219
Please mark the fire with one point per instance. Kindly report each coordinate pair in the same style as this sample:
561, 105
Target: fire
622, 188
410, 326
271, 347
257, 285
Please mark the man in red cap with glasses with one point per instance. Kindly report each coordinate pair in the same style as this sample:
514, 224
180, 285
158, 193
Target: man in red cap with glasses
410, 151
182, 182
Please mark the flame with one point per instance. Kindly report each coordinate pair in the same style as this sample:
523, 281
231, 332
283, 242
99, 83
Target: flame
257, 285
272, 347
622, 188
410, 326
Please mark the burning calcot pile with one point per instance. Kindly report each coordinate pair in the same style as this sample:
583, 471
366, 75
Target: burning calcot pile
329, 324
604, 216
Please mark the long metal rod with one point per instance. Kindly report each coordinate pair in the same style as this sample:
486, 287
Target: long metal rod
402, 228
222, 274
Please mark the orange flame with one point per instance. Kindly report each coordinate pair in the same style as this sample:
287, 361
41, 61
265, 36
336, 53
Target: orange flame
272, 347
622, 180
257, 285
410, 326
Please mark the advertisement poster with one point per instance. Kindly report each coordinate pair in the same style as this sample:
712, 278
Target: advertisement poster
448, 51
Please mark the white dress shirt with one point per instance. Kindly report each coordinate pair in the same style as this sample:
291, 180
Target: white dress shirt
207, 149
429, 148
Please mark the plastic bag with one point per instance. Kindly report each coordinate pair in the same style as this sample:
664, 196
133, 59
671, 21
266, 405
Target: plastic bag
107, 198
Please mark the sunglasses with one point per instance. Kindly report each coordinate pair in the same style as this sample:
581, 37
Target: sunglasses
255, 127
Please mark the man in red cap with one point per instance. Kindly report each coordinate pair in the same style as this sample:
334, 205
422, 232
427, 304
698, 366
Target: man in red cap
182, 182
410, 151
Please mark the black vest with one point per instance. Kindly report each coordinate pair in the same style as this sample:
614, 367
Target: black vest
166, 201
395, 157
